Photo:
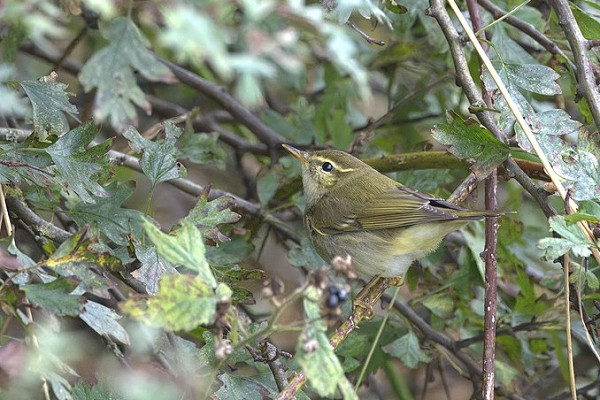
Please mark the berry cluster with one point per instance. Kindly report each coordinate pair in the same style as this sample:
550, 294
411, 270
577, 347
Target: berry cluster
335, 296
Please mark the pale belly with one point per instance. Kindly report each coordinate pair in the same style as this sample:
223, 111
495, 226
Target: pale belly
388, 253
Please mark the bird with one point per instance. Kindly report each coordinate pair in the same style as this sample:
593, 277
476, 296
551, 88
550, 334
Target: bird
384, 226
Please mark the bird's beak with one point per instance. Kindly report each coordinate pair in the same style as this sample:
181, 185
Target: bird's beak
299, 154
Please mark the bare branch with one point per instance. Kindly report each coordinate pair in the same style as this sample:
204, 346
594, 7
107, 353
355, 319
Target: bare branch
229, 103
39, 225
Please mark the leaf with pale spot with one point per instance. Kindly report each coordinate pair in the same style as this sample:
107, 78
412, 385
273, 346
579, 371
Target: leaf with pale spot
49, 102
104, 321
183, 302
154, 266
314, 353
208, 215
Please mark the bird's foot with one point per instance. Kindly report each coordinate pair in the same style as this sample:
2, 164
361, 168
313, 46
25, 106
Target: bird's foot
367, 297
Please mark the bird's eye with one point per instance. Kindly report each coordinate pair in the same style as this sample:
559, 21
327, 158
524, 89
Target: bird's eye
327, 167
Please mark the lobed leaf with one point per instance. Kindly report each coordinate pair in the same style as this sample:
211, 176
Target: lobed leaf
185, 247
115, 222
79, 164
159, 158
111, 71
183, 302
49, 101
467, 139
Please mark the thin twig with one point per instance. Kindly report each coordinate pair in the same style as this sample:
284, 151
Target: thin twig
491, 288
263, 132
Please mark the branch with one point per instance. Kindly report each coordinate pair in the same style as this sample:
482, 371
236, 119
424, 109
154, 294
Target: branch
586, 82
35, 222
229, 103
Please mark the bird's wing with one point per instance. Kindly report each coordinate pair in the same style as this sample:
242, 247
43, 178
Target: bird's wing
402, 207
398, 207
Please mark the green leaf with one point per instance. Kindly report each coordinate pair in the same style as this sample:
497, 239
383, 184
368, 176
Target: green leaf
153, 267
510, 50
314, 353
104, 321
183, 302
195, 37
590, 26
341, 132
407, 349
111, 71
49, 100
534, 78
159, 159
185, 247
26, 162
396, 8
230, 252
439, 304
12, 103
528, 302
572, 239
266, 186
468, 139
78, 165
100, 391
305, 255
115, 222
258, 386
588, 211
207, 215
56, 296
202, 149
551, 122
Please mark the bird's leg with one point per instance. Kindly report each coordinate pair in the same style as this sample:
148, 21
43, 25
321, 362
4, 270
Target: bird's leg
369, 295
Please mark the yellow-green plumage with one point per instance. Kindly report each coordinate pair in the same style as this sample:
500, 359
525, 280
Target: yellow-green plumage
384, 226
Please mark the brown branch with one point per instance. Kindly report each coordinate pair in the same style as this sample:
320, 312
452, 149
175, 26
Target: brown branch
491, 288
39, 225
586, 82
209, 122
491, 242
263, 132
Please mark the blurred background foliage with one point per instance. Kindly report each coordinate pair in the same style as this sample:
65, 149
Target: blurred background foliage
152, 244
